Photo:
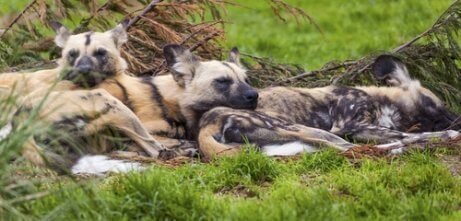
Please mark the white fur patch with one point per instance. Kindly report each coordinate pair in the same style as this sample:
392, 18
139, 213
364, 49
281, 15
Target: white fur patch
99, 165
5, 131
288, 149
386, 119
226, 126
453, 134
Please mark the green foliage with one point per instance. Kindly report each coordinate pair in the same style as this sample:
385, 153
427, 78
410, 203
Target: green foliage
350, 29
353, 33
322, 162
252, 165
416, 187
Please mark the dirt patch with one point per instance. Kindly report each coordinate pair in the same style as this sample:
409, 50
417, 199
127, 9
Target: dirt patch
365, 151
132, 156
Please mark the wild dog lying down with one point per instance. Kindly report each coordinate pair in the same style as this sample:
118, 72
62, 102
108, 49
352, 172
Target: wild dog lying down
66, 104
168, 106
289, 120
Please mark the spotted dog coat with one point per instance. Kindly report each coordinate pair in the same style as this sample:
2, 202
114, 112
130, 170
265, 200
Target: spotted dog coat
292, 120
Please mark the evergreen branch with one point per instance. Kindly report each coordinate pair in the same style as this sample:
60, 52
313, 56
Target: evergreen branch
196, 32
439, 23
86, 21
359, 66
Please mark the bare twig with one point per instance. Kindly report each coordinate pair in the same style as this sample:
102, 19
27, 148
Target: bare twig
147, 9
359, 70
205, 40
16, 19
311, 73
199, 30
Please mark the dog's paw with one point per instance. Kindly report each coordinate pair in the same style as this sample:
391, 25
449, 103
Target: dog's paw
166, 154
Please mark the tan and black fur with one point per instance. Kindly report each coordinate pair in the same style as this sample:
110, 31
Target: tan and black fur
68, 101
168, 107
368, 113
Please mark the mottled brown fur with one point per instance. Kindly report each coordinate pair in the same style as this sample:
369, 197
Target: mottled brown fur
362, 113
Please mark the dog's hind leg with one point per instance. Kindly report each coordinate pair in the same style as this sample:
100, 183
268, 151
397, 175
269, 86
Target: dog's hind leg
88, 112
227, 129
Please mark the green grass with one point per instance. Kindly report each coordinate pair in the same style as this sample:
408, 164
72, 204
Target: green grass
255, 187
351, 29
250, 186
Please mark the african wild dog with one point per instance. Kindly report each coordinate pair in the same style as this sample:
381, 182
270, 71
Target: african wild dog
292, 120
168, 106
66, 104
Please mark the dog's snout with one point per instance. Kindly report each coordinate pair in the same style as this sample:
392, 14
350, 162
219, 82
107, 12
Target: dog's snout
251, 95
85, 65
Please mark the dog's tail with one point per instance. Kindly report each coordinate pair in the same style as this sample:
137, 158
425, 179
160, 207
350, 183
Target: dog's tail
100, 164
393, 71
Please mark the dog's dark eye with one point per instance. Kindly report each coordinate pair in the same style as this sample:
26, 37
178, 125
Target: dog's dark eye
100, 52
73, 54
223, 81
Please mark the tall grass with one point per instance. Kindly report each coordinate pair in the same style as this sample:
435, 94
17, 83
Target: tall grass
416, 189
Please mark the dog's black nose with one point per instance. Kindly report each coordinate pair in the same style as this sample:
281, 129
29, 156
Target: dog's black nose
85, 65
251, 95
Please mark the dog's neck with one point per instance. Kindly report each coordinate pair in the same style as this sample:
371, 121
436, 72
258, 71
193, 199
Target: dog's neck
163, 89
175, 96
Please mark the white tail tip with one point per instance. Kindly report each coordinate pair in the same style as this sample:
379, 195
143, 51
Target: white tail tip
100, 164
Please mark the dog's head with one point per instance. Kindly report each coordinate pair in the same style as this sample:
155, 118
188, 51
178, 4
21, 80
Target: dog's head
209, 84
91, 57
422, 102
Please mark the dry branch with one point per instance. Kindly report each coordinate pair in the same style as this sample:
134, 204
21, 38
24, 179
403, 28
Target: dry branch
147, 9
16, 19
354, 68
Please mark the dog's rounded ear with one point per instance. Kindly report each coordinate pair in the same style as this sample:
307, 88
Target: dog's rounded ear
181, 62
234, 56
62, 33
390, 69
119, 34
384, 65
